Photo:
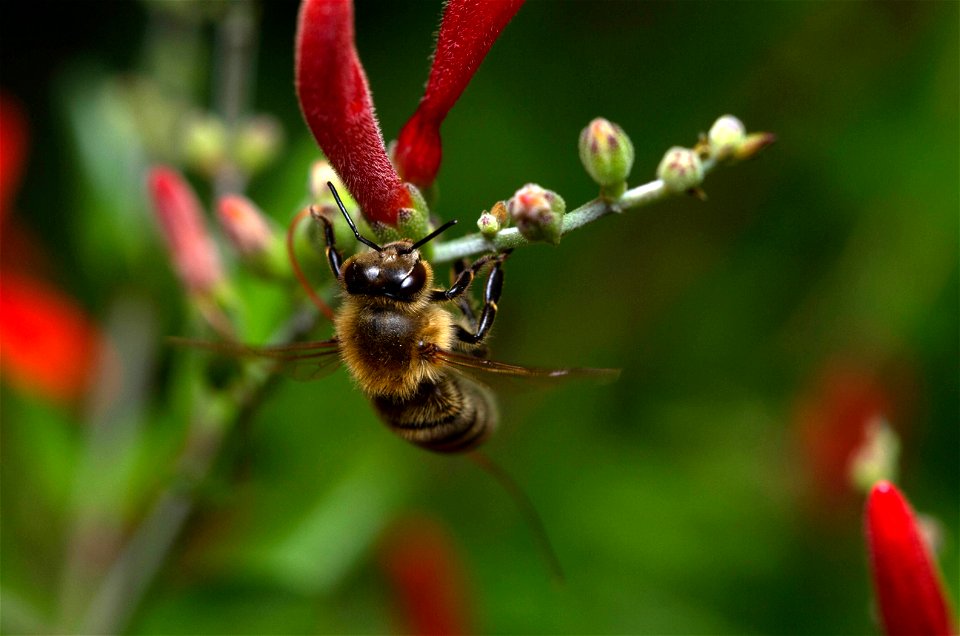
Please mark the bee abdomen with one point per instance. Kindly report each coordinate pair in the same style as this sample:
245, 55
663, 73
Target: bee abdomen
450, 416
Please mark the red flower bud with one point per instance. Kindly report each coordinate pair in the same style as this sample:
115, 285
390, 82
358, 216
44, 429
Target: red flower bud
335, 101
244, 225
468, 30
909, 591
192, 250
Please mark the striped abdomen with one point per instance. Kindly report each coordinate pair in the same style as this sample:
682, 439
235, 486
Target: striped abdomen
452, 415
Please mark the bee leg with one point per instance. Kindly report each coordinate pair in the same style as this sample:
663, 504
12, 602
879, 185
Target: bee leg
466, 277
467, 306
491, 295
334, 258
464, 301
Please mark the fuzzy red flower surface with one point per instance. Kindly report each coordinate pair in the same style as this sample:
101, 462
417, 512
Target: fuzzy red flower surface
336, 104
909, 591
468, 30
335, 101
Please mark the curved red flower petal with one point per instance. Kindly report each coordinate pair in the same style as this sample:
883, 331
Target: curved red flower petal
192, 251
47, 343
335, 101
468, 30
909, 591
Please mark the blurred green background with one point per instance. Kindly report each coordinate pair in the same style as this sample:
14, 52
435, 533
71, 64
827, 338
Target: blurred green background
753, 330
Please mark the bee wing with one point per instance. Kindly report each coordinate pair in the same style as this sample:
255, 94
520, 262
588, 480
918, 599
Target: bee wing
300, 360
472, 364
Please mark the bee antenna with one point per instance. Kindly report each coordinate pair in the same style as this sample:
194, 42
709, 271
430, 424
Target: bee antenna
432, 235
353, 227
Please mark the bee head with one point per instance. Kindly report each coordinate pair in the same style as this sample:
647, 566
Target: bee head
393, 271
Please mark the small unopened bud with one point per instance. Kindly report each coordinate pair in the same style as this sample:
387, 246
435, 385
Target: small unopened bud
244, 225
754, 143
537, 213
876, 458
493, 221
726, 136
488, 225
204, 143
680, 170
412, 223
192, 251
258, 143
606, 152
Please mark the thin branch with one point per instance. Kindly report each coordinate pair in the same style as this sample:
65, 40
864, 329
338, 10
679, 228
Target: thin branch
587, 213
236, 55
130, 575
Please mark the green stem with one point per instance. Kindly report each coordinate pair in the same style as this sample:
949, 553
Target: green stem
587, 213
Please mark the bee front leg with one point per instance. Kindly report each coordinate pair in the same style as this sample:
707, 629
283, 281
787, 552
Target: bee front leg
464, 301
491, 295
334, 258
466, 276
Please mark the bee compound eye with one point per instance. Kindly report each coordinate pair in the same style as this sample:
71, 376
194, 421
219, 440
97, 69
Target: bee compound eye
415, 280
358, 278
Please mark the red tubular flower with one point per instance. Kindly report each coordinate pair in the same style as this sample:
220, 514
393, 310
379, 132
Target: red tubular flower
336, 104
468, 30
909, 591
335, 101
192, 250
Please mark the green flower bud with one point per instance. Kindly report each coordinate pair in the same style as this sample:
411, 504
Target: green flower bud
680, 170
606, 152
258, 143
493, 221
412, 223
537, 213
726, 136
204, 143
488, 225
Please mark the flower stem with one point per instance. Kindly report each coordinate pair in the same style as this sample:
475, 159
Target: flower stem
587, 213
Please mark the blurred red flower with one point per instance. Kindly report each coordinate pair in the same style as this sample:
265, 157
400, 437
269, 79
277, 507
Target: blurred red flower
48, 345
831, 422
427, 578
910, 593
335, 99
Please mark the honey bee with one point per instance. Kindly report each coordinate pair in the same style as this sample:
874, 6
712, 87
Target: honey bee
409, 355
